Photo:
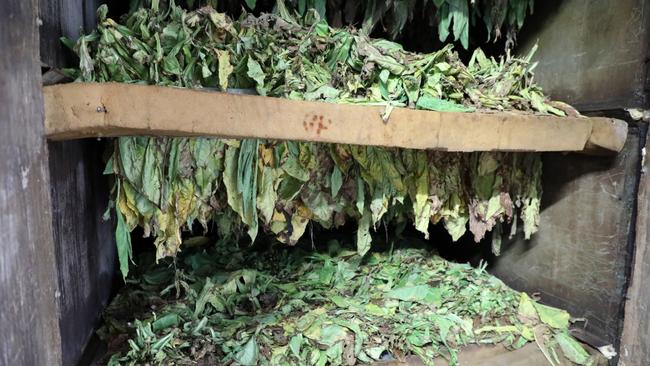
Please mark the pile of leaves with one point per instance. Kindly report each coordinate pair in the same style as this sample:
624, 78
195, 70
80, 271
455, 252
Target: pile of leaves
231, 306
278, 56
166, 184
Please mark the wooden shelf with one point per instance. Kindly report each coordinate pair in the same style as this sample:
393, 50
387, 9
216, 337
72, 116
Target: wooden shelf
80, 110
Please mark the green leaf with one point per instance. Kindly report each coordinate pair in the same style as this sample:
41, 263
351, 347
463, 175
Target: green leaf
572, 349
320, 6
375, 352
553, 317
331, 334
336, 181
419, 293
123, 241
247, 183
445, 21
293, 167
255, 72
249, 354
436, 104
171, 65
295, 343
167, 321
251, 4
459, 11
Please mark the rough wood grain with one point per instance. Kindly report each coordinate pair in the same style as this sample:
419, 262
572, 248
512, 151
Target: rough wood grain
83, 110
577, 261
68, 18
28, 288
635, 348
492, 355
84, 243
593, 54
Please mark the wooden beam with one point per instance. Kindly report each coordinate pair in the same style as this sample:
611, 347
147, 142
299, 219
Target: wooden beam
92, 110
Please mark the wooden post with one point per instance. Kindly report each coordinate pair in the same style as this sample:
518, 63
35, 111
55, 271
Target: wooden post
635, 348
84, 243
28, 287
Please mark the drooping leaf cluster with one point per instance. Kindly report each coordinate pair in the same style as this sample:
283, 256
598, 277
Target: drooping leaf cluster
451, 20
288, 307
165, 185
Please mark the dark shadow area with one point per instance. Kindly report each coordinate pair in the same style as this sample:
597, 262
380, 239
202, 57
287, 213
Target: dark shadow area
534, 24
84, 242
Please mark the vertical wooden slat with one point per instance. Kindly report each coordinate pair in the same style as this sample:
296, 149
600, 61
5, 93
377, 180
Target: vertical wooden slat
28, 288
635, 347
84, 243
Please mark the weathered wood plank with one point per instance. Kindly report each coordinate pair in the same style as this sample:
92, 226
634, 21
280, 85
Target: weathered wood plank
592, 53
635, 348
84, 243
484, 355
63, 18
28, 286
84, 110
491, 355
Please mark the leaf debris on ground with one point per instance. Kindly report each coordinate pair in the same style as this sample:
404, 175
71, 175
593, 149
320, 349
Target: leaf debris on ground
223, 305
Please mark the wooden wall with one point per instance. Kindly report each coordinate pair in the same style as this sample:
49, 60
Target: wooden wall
28, 286
579, 260
592, 53
84, 243
635, 347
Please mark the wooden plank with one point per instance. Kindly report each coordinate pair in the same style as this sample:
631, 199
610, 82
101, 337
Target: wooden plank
64, 18
635, 349
606, 136
572, 34
28, 286
84, 243
85, 110
490, 355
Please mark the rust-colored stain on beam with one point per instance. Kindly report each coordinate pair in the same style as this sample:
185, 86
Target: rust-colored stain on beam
81, 110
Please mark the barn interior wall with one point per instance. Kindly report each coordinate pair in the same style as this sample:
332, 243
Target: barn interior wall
28, 286
84, 242
592, 54
579, 258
